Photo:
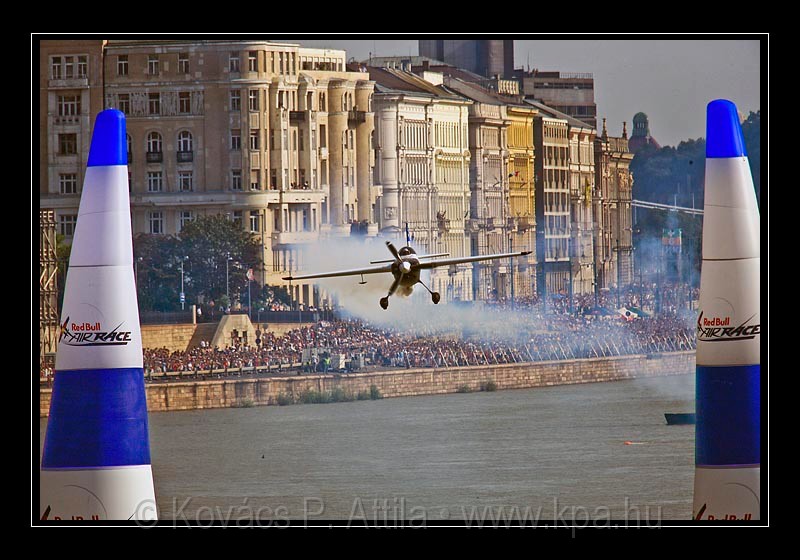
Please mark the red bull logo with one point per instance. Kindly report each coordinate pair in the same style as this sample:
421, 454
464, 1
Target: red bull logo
717, 322
92, 334
718, 329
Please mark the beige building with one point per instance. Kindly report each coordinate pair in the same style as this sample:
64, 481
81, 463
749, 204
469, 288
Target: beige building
612, 208
553, 204
273, 135
487, 225
423, 159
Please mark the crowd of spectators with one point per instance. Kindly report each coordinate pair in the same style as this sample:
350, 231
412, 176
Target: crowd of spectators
532, 333
559, 337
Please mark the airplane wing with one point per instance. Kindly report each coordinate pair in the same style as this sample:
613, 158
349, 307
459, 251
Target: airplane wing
351, 272
418, 256
459, 260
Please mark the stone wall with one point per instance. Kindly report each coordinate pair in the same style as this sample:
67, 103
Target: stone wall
222, 393
174, 337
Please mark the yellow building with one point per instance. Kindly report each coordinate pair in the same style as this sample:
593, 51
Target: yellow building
522, 195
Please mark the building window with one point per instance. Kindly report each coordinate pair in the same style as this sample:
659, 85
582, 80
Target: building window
69, 105
254, 139
233, 62
313, 140
186, 180
237, 217
67, 144
252, 61
271, 139
186, 216
83, 67
68, 183
155, 181
152, 64
55, 68
285, 178
236, 100
122, 65
236, 179
313, 178
184, 102
236, 139
128, 147
154, 103
66, 224
69, 67
254, 100
273, 179
285, 139
185, 141
124, 102
255, 223
154, 143
156, 222
183, 63
300, 140
255, 181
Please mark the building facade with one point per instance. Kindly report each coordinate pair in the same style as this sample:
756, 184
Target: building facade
568, 93
485, 57
423, 159
275, 136
613, 237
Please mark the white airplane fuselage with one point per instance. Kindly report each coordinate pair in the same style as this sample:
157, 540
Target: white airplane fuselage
406, 269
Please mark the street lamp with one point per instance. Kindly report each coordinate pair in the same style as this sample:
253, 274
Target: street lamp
183, 295
227, 277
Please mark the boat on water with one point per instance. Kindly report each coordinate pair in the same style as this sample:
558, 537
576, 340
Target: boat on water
677, 418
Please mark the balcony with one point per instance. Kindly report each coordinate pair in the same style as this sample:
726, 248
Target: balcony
154, 157
67, 119
297, 116
185, 157
356, 117
71, 83
292, 237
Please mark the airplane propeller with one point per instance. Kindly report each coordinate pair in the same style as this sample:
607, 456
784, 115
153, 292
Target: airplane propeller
393, 251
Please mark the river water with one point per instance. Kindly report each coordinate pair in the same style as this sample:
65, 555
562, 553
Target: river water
575, 452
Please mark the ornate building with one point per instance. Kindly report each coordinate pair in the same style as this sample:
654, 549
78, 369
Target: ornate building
275, 136
422, 162
641, 134
501, 187
613, 238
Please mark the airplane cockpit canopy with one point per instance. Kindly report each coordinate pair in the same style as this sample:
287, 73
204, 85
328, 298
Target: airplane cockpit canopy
406, 251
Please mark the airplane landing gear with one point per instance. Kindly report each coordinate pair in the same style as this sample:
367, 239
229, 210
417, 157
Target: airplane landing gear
435, 297
384, 302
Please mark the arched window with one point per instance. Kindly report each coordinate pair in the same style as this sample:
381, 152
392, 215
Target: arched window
185, 141
154, 143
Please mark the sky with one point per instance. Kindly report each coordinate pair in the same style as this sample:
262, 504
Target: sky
671, 80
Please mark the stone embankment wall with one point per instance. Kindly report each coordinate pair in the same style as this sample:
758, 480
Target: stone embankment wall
232, 392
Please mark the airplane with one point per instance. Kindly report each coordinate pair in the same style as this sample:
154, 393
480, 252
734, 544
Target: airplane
406, 266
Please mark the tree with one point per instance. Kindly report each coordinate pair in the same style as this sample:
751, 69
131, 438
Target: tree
215, 244
157, 270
